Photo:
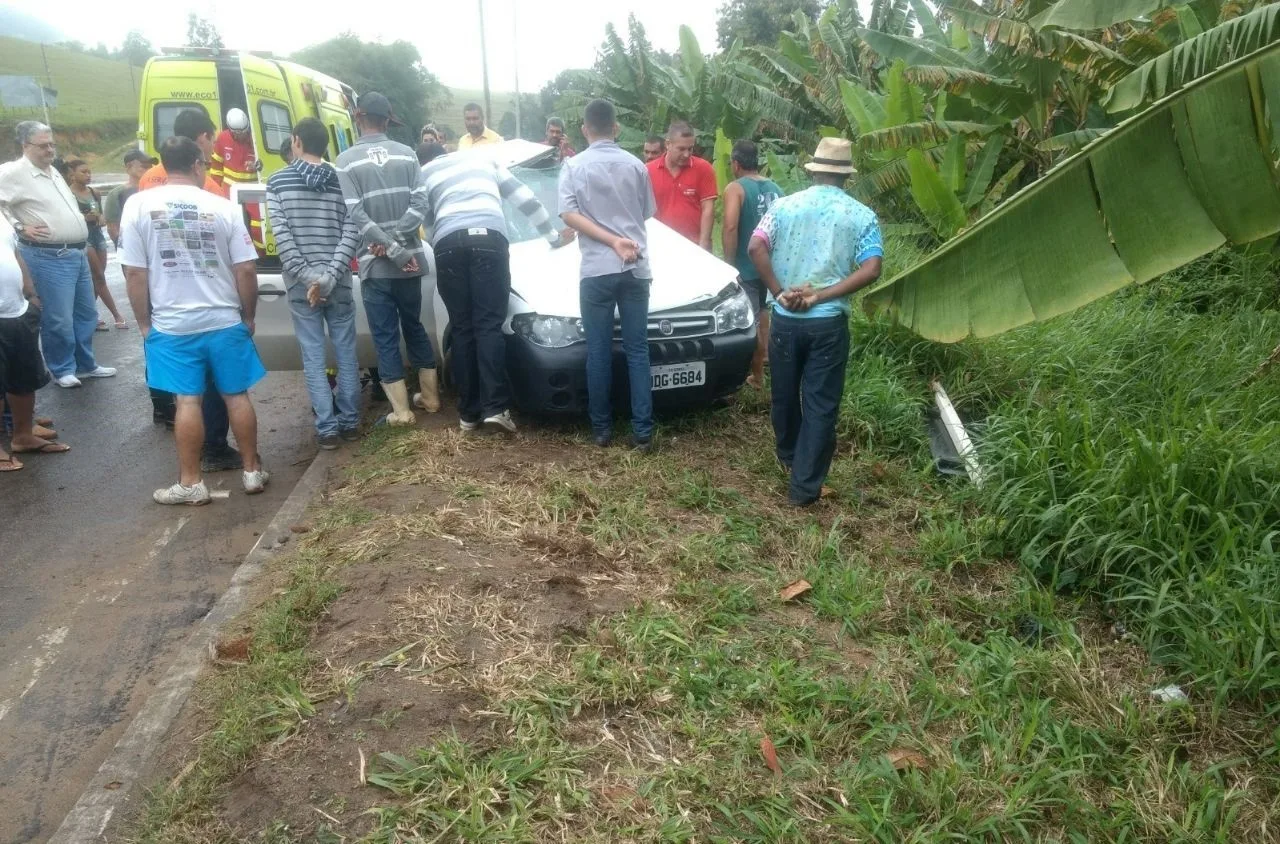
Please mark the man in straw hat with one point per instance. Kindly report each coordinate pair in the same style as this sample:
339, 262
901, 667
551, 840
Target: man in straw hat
814, 249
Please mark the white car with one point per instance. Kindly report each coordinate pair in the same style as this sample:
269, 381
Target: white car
702, 330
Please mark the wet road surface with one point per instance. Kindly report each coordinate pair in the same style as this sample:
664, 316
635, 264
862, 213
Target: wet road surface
98, 584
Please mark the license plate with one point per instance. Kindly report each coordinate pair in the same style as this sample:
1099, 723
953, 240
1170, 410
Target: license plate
673, 376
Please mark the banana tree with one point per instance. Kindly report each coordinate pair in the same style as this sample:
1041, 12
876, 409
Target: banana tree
1185, 175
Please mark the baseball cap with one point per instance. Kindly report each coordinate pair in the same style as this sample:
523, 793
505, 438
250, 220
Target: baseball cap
138, 155
374, 104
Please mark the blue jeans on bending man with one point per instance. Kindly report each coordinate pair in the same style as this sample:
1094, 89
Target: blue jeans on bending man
599, 296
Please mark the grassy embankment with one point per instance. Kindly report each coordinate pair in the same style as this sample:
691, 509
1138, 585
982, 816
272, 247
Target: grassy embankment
97, 111
958, 668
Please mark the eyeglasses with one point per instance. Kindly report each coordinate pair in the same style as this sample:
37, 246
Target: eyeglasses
50, 145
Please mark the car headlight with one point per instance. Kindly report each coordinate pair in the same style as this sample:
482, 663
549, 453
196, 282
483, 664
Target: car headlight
552, 332
734, 313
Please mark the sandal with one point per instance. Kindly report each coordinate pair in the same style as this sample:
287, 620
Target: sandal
102, 325
47, 448
121, 324
9, 464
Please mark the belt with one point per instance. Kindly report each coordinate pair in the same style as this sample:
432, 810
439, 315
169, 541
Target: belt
44, 244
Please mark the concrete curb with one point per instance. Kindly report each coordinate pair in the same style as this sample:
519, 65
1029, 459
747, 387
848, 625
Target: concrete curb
111, 786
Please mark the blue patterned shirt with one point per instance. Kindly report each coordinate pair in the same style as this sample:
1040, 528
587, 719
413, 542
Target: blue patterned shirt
819, 236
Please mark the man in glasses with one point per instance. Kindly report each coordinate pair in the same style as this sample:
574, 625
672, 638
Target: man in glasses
51, 240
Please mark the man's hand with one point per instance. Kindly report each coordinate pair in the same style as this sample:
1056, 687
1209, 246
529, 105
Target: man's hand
144, 328
799, 299
377, 250
626, 249
314, 299
567, 236
412, 267
249, 325
36, 232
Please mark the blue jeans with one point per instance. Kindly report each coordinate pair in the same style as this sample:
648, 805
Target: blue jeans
308, 324
390, 305
808, 359
70, 315
599, 295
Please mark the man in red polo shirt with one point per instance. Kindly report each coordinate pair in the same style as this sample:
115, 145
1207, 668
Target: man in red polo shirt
684, 187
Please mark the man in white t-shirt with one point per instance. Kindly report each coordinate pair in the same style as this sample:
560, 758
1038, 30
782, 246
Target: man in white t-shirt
22, 369
189, 265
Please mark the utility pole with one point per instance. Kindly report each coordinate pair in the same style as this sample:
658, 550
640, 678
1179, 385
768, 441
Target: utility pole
515, 56
484, 60
49, 78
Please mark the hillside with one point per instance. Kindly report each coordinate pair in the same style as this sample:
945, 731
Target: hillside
90, 89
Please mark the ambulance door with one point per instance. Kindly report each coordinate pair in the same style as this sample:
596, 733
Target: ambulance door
272, 120
171, 85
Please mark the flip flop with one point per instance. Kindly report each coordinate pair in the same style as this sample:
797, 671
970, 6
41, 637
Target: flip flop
102, 325
122, 324
44, 433
8, 464
47, 448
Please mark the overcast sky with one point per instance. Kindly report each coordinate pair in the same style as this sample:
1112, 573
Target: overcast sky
547, 36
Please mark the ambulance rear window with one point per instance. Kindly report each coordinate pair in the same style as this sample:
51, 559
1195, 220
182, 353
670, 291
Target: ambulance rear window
163, 117
277, 125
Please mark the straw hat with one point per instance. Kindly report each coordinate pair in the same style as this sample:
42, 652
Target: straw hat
834, 155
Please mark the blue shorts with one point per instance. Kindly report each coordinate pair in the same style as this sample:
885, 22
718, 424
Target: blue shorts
182, 363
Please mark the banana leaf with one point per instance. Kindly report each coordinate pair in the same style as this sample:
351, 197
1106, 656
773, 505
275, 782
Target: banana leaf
1173, 183
1095, 14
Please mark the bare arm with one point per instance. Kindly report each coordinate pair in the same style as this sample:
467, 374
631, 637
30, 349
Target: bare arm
733, 198
247, 286
708, 223
136, 281
806, 297
28, 288
762, 257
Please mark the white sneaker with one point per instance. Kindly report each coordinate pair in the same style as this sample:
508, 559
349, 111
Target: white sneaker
256, 482
67, 381
178, 494
100, 372
502, 422
468, 426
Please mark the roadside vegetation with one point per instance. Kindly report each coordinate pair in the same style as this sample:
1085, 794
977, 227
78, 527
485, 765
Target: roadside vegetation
539, 640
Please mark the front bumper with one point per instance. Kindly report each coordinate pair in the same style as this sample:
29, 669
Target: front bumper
554, 381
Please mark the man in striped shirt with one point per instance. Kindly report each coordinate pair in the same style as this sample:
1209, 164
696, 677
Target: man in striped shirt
387, 203
316, 242
473, 272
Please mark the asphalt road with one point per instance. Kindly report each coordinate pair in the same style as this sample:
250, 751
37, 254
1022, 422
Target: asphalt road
98, 584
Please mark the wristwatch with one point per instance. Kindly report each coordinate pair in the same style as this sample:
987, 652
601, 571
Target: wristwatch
20, 228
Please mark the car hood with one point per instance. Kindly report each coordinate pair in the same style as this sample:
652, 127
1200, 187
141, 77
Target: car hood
683, 274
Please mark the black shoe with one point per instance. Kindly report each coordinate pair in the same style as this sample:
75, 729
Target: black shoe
643, 446
350, 435
603, 440
329, 442
801, 504
223, 459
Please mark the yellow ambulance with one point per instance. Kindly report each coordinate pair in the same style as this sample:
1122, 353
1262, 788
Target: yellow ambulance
274, 93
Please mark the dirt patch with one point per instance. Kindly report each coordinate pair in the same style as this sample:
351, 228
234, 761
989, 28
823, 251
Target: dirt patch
422, 644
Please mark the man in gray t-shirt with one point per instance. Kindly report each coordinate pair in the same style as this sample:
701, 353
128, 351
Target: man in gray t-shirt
606, 196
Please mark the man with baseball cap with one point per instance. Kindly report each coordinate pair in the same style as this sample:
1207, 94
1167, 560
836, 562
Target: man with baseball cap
136, 163
813, 249
386, 200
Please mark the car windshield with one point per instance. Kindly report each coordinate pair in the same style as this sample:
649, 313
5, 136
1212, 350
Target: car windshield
543, 181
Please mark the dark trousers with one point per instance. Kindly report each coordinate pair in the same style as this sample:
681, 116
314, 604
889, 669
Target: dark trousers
212, 408
808, 359
473, 275
598, 296
392, 305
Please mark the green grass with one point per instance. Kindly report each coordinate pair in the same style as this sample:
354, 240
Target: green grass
1132, 458
90, 89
